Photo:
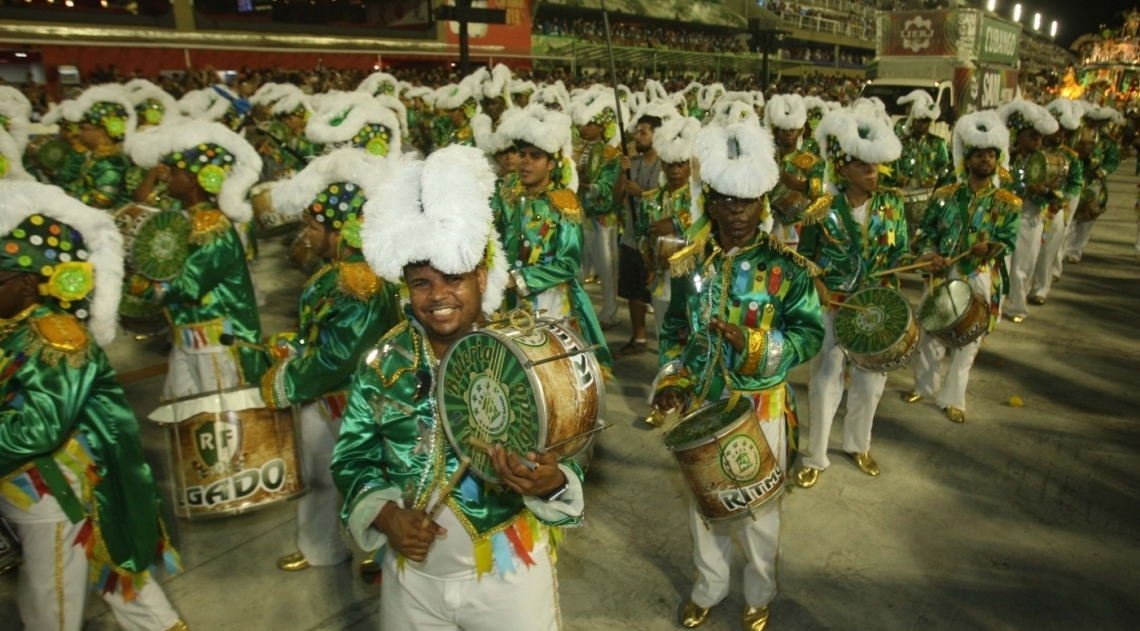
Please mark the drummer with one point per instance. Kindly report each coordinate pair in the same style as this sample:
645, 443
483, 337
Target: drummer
1029, 123
345, 308
862, 233
924, 156
73, 479
1101, 162
105, 117
292, 153
800, 170
209, 170
1060, 214
541, 220
494, 547
980, 142
742, 345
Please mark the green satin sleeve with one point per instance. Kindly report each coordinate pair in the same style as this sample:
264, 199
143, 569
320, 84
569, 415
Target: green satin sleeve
601, 200
1005, 232
1111, 158
941, 159
348, 329
675, 327
104, 183
1076, 179
358, 465
802, 322
567, 245
208, 265
71, 169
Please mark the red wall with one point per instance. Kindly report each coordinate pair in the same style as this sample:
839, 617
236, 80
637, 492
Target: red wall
153, 60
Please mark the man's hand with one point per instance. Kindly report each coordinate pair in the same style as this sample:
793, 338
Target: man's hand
980, 249
543, 480
633, 188
626, 163
405, 531
1032, 190
668, 400
661, 228
160, 172
732, 333
937, 263
793, 182
511, 282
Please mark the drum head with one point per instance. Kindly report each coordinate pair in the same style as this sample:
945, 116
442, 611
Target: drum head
486, 392
162, 245
702, 425
53, 154
945, 305
1036, 168
879, 326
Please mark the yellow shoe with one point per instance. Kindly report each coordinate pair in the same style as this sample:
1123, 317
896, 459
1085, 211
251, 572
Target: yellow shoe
179, 626
755, 618
956, 415
911, 397
693, 615
293, 563
807, 477
655, 418
1056, 278
1036, 300
1017, 319
866, 463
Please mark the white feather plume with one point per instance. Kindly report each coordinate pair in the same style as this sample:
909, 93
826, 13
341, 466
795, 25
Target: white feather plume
293, 196
785, 111
861, 134
983, 129
371, 83
674, 140
1032, 113
12, 152
1067, 113
357, 109
737, 160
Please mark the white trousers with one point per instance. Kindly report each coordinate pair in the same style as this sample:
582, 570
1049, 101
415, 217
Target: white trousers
1024, 259
1078, 238
195, 371
927, 362
524, 600
54, 581
1048, 259
825, 390
599, 255
318, 512
760, 539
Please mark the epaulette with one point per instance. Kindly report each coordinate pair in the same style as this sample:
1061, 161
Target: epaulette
946, 191
1004, 176
804, 160
611, 153
566, 201
464, 132
818, 209
892, 190
377, 357
687, 259
1069, 153
1009, 197
208, 224
800, 260
650, 194
357, 280
60, 336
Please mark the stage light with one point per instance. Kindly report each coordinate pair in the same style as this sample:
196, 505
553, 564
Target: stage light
1017, 13
991, 5
1053, 29
1037, 21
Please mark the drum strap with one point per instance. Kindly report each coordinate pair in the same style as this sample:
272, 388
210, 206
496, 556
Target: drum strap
57, 483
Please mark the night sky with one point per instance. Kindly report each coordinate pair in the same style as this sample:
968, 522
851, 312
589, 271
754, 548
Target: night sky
1075, 17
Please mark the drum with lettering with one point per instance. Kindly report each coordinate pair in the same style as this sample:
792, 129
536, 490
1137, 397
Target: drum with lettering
725, 460
527, 384
954, 313
877, 329
156, 242
9, 548
229, 454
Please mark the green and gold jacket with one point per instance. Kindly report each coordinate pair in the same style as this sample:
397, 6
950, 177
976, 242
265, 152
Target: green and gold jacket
345, 308
102, 179
600, 165
417, 133
213, 295
811, 146
805, 165
542, 240
1105, 157
392, 443
922, 162
847, 252
61, 409
957, 218
1075, 181
658, 205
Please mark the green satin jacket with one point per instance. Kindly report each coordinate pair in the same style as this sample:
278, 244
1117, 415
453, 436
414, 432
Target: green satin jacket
293, 159
848, 252
766, 290
56, 385
392, 439
213, 295
600, 166
1075, 181
102, 180
805, 165
1105, 158
345, 308
811, 146
922, 162
417, 135
542, 240
957, 218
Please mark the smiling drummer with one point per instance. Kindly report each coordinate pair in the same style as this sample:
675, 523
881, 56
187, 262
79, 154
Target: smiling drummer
345, 308
862, 232
977, 216
431, 226
743, 313
73, 479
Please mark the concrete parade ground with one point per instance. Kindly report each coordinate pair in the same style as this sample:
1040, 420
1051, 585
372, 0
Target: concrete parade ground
1023, 518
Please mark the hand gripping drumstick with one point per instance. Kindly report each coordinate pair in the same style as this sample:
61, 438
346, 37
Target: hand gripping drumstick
907, 268
451, 484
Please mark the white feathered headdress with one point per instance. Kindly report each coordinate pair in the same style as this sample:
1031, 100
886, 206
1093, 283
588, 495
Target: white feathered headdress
75, 110
15, 102
488, 139
855, 134
657, 109
709, 95
602, 100
148, 148
921, 105
289, 101
1103, 112
548, 130
104, 244
674, 139
454, 96
1019, 115
733, 112
398, 108
293, 196
552, 95
520, 87
13, 169
737, 160
375, 84
437, 211
146, 93
786, 111
1067, 113
496, 84
342, 116
17, 124
980, 130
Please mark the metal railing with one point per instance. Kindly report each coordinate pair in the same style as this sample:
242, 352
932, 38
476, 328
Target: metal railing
838, 5
826, 25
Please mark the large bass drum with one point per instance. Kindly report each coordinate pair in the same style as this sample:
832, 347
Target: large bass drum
878, 330
1092, 204
528, 385
156, 242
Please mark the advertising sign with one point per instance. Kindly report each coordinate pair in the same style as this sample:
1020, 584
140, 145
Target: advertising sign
999, 41
919, 33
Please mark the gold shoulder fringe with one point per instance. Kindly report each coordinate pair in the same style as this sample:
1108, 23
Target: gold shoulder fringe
804, 160
611, 153
357, 280
566, 201
208, 225
813, 270
1009, 198
687, 259
818, 210
946, 191
59, 337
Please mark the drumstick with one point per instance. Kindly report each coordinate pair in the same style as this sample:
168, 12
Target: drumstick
847, 305
479, 443
438, 508
907, 268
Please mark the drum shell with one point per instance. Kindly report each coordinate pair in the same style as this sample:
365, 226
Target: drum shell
270, 223
267, 461
1048, 168
302, 257
915, 204
892, 356
141, 317
666, 246
788, 205
564, 408
973, 320
9, 548
719, 497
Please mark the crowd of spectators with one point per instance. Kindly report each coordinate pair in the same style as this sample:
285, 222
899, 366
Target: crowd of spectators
825, 55
642, 35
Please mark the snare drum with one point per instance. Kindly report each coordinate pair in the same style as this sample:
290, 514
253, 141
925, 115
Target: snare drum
788, 205
302, 257
229, 454
1046, 167
666, 246
916, 201
725, 460
49, 152
1092, 204
142, 317
954, 313
9, 548
270, 223
156, 242
526, 385
878, 331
